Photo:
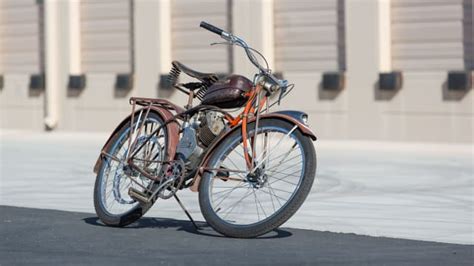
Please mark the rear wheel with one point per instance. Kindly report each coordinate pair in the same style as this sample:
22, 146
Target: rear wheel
112, 203
241, 203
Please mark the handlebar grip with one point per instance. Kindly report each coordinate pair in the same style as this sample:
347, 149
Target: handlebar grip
211, 28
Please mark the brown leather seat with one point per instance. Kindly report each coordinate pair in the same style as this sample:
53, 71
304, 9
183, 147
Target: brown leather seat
208, 78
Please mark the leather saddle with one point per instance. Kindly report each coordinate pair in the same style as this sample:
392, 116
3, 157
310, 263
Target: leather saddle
208, 78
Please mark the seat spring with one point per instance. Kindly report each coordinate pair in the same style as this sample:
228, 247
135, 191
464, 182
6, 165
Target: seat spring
201, 92
174, 75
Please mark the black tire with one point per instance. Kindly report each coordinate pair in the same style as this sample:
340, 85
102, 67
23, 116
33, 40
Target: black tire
286, 211
139, 209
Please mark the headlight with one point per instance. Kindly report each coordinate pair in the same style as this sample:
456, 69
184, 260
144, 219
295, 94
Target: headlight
270, 86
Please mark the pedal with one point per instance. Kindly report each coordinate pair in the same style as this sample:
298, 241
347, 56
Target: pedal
139, 196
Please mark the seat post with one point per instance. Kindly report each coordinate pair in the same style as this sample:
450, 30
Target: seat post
190, 100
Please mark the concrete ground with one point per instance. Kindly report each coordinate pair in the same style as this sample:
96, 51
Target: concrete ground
400, 190
48, 237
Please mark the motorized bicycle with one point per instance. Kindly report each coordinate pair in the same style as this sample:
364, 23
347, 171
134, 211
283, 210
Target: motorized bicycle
252, 171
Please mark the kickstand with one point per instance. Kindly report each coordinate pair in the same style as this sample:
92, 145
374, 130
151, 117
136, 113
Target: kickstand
186, 211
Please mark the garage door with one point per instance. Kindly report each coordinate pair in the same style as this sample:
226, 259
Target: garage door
21, 64
309, 35
190, 44
107, 36
432, 35
20, 49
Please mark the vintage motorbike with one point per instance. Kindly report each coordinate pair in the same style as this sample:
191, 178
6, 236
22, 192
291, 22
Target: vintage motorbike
252, 171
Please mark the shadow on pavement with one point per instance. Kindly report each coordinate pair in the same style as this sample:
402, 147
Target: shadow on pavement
180, 225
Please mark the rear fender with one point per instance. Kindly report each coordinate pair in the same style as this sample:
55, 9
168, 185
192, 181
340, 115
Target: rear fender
171, 128
294, 117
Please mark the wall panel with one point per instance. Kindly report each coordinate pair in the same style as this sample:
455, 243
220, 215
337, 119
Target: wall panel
431, 35
309, 35
106, 36
20, 47
191, 44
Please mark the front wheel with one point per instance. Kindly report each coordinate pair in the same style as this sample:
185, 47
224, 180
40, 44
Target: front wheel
241, 202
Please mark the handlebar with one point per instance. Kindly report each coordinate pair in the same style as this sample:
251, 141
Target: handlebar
232, 39
211, 28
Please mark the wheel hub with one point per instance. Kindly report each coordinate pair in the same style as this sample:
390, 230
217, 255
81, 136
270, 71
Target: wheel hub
129, 171
257, 179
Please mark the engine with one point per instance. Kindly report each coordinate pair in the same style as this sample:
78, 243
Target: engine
197, 135
211, 126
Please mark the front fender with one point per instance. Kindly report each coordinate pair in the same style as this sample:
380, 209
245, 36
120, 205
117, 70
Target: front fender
294, 117
171, 128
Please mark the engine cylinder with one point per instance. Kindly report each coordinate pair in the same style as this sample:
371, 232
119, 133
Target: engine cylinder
212, 124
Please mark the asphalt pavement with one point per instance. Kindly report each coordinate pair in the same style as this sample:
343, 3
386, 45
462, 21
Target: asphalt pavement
50, 237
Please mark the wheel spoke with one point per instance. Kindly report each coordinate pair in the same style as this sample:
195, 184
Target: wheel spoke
279, 172
256, 206
237, 202
272, 193
278, 166
259, 203
283, 179
273, 148
236, 167
225, 196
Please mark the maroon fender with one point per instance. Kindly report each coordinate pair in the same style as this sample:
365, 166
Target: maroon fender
283, 116
171, 128
301, 126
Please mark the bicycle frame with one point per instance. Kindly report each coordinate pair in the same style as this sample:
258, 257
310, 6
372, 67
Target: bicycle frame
172, 114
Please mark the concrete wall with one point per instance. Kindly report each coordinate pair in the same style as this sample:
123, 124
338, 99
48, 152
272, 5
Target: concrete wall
302, 39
